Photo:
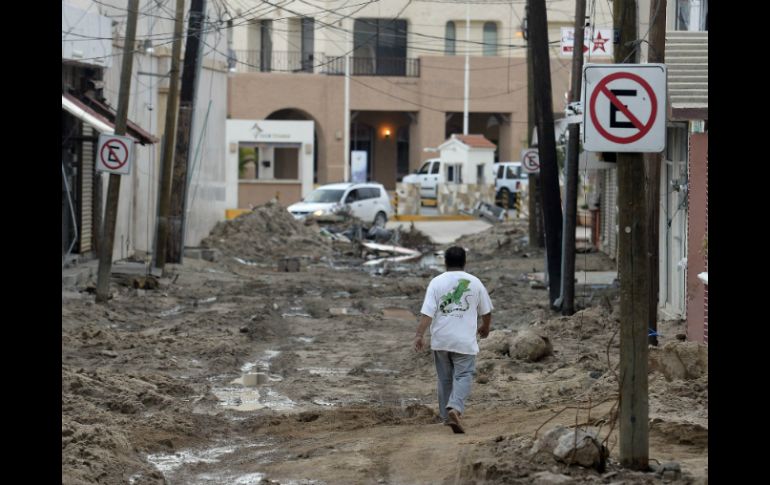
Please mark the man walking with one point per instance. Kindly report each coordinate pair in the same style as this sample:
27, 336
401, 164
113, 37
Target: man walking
453, 302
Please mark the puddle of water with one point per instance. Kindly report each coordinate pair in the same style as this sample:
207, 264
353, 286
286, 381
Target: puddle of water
250, 479
325, 371
344, 311
238, 398
173, 311
398, 314
169, 462
296, 314
269, 354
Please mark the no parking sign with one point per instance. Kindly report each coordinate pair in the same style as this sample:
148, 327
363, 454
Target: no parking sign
114, 154
625, 107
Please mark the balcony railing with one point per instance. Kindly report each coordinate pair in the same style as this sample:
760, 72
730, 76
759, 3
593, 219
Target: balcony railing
254, 61
374, 66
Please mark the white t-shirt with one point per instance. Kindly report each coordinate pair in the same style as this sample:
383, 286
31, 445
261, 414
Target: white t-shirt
454, 300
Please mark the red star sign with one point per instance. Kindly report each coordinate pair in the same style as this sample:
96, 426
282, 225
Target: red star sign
599, 42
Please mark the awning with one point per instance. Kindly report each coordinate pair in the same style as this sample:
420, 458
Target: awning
78, 110
102, 118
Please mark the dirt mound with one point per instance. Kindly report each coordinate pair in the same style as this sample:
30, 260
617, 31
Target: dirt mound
680, 360
508, 237
591, 322
267, 232
415, 239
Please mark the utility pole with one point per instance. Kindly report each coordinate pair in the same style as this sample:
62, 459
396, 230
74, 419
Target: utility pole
633, 266
190, 73
655, 53
570, 190
467, 68
113, 187
536, 237
549, 176
346, 132
164, 204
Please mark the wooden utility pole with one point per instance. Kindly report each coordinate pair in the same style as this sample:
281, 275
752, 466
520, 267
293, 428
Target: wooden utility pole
655, 53
113, 187
175, 247
164, 204
536, 238
546, 142
634, 269
571, 188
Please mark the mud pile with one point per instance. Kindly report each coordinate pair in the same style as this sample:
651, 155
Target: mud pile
415, 239
268, 232
507, 237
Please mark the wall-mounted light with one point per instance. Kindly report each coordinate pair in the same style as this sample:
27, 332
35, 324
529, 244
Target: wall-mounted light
387, 133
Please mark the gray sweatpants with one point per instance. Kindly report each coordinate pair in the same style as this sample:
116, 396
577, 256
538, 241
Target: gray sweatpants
455, 373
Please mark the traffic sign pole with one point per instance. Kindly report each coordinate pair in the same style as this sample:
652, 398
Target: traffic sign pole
633, 270
113, 189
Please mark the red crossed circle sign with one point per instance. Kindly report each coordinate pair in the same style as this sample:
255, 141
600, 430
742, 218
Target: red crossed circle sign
643, 127
530, 161
114, 154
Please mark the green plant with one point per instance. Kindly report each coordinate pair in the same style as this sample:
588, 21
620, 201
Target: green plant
246, 155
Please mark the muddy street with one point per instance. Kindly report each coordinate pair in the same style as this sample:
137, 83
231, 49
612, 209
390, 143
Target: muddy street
231, 372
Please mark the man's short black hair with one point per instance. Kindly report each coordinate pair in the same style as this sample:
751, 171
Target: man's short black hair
454, 257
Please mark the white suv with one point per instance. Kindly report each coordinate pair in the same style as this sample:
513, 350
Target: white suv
369, 202
509, 180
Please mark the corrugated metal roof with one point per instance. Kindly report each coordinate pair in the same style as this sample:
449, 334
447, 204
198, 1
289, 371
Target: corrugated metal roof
688, 66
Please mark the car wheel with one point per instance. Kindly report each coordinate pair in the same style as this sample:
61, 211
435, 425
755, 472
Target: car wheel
380, 219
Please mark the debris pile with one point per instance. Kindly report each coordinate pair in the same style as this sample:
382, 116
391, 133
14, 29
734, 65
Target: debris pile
268, 232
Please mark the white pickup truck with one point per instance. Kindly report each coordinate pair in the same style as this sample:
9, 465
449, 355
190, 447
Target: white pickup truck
428, 176
509, 180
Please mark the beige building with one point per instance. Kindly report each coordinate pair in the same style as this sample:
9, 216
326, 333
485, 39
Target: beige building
406, 80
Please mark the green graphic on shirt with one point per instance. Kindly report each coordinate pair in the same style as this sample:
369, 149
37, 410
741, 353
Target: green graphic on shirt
452, 300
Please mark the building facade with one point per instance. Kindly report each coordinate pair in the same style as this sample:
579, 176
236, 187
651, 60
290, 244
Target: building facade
406, 82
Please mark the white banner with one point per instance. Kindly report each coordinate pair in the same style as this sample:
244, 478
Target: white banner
358, 166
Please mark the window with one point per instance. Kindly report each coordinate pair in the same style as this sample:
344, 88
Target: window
266, 45
353, 196
490, 39
511, 172
436, 167
425, 169
501, 172
480, 179
379, 47
449, 39
308, 43
369, 193
454, 173
692, 15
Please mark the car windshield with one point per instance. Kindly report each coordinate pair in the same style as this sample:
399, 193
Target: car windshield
324, 195
425, 168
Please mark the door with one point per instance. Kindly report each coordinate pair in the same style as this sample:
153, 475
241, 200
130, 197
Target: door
308, 44
354, 199
431, 180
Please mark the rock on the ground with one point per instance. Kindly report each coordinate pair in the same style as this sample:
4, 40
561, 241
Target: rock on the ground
680, 360
548, 478
496, 341
529, 345
583, 449
549, 441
